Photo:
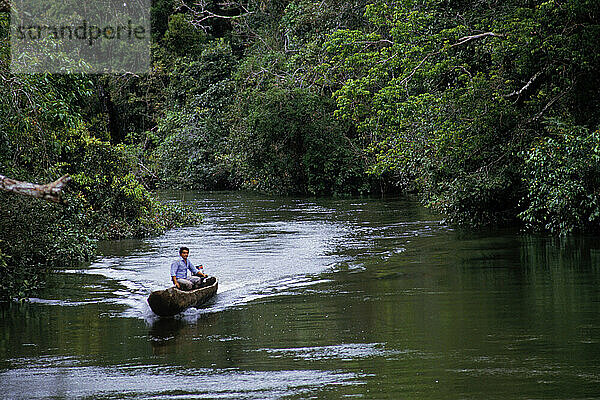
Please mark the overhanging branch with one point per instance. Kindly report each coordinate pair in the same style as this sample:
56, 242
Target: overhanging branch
50, 191
466, 39
524, 88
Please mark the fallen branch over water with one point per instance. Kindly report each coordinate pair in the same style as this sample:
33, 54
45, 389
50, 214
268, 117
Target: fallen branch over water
50, 191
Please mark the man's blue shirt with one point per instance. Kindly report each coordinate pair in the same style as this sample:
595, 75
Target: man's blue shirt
179, 268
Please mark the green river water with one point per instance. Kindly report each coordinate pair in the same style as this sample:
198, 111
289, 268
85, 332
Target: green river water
318, 299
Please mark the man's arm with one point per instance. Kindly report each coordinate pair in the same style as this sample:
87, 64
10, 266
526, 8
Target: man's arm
173, 273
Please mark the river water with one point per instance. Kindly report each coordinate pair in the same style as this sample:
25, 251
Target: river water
318, 299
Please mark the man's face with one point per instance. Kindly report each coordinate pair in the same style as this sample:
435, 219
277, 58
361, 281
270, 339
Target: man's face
184, 254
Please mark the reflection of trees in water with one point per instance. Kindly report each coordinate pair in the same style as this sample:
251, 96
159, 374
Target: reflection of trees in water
576, 252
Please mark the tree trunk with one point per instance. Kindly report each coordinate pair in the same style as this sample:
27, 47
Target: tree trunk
50, 191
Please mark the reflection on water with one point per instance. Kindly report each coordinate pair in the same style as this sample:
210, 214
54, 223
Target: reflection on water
61, 378
328, 299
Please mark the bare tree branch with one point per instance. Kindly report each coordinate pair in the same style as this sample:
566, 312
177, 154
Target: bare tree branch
408, 78
50, 191
370, 42
549, 104
524, 88
202, 13
467, 39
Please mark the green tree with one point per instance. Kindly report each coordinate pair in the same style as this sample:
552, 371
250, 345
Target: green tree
288, 142
562, 177
44, 133
447, 94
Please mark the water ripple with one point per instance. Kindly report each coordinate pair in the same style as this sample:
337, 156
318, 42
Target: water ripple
67, 378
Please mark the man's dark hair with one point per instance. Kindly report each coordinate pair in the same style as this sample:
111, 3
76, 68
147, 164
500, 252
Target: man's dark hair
181, 249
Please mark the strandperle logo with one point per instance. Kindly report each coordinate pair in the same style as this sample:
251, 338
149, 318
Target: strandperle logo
70, 36
85, 31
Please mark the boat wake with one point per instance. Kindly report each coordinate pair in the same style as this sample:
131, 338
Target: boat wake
276, 248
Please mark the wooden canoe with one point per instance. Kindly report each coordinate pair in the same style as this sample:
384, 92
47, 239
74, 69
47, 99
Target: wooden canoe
172, 301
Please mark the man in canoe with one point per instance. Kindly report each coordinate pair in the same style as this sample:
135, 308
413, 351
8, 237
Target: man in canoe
179, 270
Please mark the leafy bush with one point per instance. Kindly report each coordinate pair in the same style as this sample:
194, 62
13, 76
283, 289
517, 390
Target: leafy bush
117, 203
189, 156
562, 179
477, 199
38, 237
289, 142
182, 38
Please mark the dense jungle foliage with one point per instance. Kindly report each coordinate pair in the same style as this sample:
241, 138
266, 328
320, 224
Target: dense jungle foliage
486, 110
